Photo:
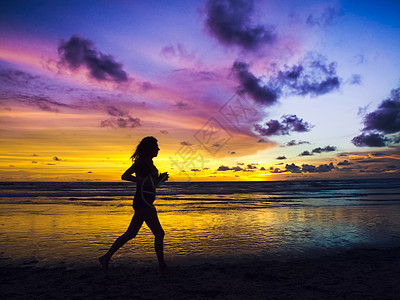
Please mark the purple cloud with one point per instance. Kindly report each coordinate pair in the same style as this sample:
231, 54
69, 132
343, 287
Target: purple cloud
120, 119
325, 149
370, 140
252, 86
229, 21
288, 124
318, 150
128, 122
77, 52
41, 102
313, 76
386, 118
355, 79
179, 52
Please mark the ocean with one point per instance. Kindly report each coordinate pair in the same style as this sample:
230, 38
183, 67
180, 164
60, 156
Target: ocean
50, 223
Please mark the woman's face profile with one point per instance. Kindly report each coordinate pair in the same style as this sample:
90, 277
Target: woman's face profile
155, 150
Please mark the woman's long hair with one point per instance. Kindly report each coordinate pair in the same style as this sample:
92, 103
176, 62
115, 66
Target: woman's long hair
145, 148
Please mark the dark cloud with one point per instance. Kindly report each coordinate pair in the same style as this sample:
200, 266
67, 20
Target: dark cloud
252, 86
305, 153
281, 157
295, 143
229, 21
325, 149
293, 168
42, 103
17, 77
344, 163
128, 122
386, 118
223, 168
306, 168
313, 76
370, 140
237, 168
120, 119
249, 168
115, 112
77, 52
325, 168
318, 150
276, 170
288, 124
327, 17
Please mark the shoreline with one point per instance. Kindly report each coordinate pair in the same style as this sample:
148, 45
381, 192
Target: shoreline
370, 273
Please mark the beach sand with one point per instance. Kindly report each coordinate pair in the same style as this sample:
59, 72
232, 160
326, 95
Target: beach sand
352, 274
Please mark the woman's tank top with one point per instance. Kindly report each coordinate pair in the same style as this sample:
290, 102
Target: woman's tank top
146, 190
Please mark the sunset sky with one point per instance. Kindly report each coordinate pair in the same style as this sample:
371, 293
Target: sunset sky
232, 90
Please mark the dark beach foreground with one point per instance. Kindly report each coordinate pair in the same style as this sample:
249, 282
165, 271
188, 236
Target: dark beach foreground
352, 274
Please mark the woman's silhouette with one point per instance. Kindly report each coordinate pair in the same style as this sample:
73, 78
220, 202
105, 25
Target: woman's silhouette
146, 179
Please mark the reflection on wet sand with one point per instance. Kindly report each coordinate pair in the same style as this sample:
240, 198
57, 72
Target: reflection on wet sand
74, 233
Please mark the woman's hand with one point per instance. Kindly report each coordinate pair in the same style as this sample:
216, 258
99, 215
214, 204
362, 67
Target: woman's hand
163, 177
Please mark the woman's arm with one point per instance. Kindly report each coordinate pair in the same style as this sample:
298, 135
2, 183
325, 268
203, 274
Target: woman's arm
128, 175
163, 177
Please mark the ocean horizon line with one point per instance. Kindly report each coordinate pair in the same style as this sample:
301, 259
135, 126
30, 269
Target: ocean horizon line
208, 181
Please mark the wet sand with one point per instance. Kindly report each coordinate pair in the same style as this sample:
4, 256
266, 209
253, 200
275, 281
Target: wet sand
352, 274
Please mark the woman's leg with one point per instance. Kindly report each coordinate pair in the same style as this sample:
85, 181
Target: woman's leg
131, 232
152, 221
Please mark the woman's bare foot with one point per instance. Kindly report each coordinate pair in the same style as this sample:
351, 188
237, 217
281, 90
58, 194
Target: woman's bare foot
104, 263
